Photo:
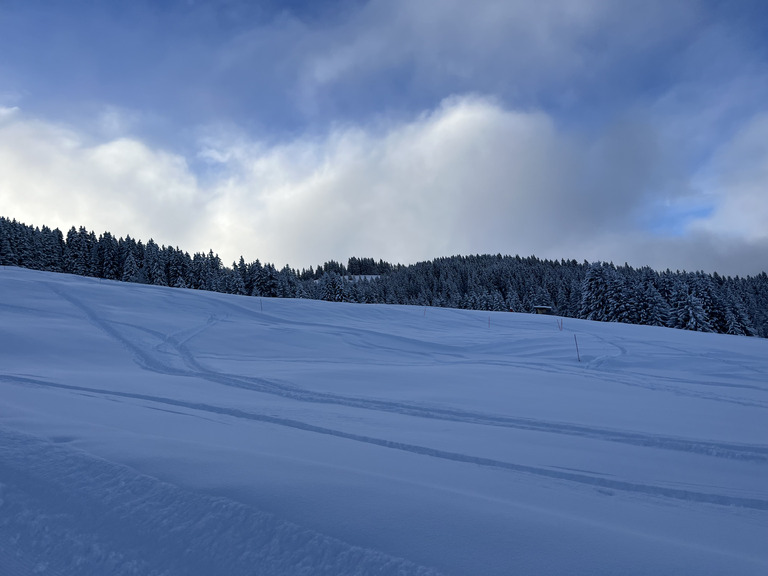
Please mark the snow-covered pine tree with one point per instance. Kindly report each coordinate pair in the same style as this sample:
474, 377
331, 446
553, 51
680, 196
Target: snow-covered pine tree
131, 271
594, 293
7, 253
689, 311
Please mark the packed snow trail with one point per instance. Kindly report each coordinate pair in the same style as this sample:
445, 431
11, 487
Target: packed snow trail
148, 430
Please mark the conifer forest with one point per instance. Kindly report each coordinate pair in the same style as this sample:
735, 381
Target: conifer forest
593, 291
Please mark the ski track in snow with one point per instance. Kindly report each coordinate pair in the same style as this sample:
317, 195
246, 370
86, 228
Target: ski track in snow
195, 369
660, 491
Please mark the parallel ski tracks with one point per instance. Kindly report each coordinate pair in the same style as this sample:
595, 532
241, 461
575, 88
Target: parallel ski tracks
551, 473
192, 368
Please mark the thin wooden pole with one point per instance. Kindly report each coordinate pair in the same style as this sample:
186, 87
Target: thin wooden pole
577, 348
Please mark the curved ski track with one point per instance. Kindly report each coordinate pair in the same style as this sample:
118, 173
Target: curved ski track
262, 385
193, 368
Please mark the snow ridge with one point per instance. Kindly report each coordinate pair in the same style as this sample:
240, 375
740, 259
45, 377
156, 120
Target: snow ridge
73, 513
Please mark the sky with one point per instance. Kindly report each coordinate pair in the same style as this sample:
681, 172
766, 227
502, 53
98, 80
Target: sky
299, 132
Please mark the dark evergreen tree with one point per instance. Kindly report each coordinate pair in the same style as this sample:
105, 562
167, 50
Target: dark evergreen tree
737, 320
235, 284
333, 287
76, 253
131, 271
154, 264
108, 258
7, 253
594, 293
689, 311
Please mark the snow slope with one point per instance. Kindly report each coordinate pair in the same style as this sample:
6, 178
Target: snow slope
148, 430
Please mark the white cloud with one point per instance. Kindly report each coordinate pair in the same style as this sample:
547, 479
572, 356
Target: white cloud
51, 175
114, 122
468, 177
8, 112
738, 185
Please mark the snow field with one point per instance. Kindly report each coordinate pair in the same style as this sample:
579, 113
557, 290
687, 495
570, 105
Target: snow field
149, 430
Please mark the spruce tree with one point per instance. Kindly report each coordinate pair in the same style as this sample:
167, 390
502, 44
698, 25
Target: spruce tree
131, 272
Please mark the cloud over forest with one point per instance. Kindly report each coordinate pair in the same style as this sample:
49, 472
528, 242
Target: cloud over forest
470, 176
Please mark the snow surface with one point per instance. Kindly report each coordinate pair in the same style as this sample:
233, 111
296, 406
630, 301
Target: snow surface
148, 430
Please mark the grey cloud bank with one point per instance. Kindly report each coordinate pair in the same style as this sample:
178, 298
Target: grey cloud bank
405, 131
469, 177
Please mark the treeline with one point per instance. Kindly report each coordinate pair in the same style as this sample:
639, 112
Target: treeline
597, 291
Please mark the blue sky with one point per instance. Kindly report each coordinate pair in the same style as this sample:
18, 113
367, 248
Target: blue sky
297, 132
